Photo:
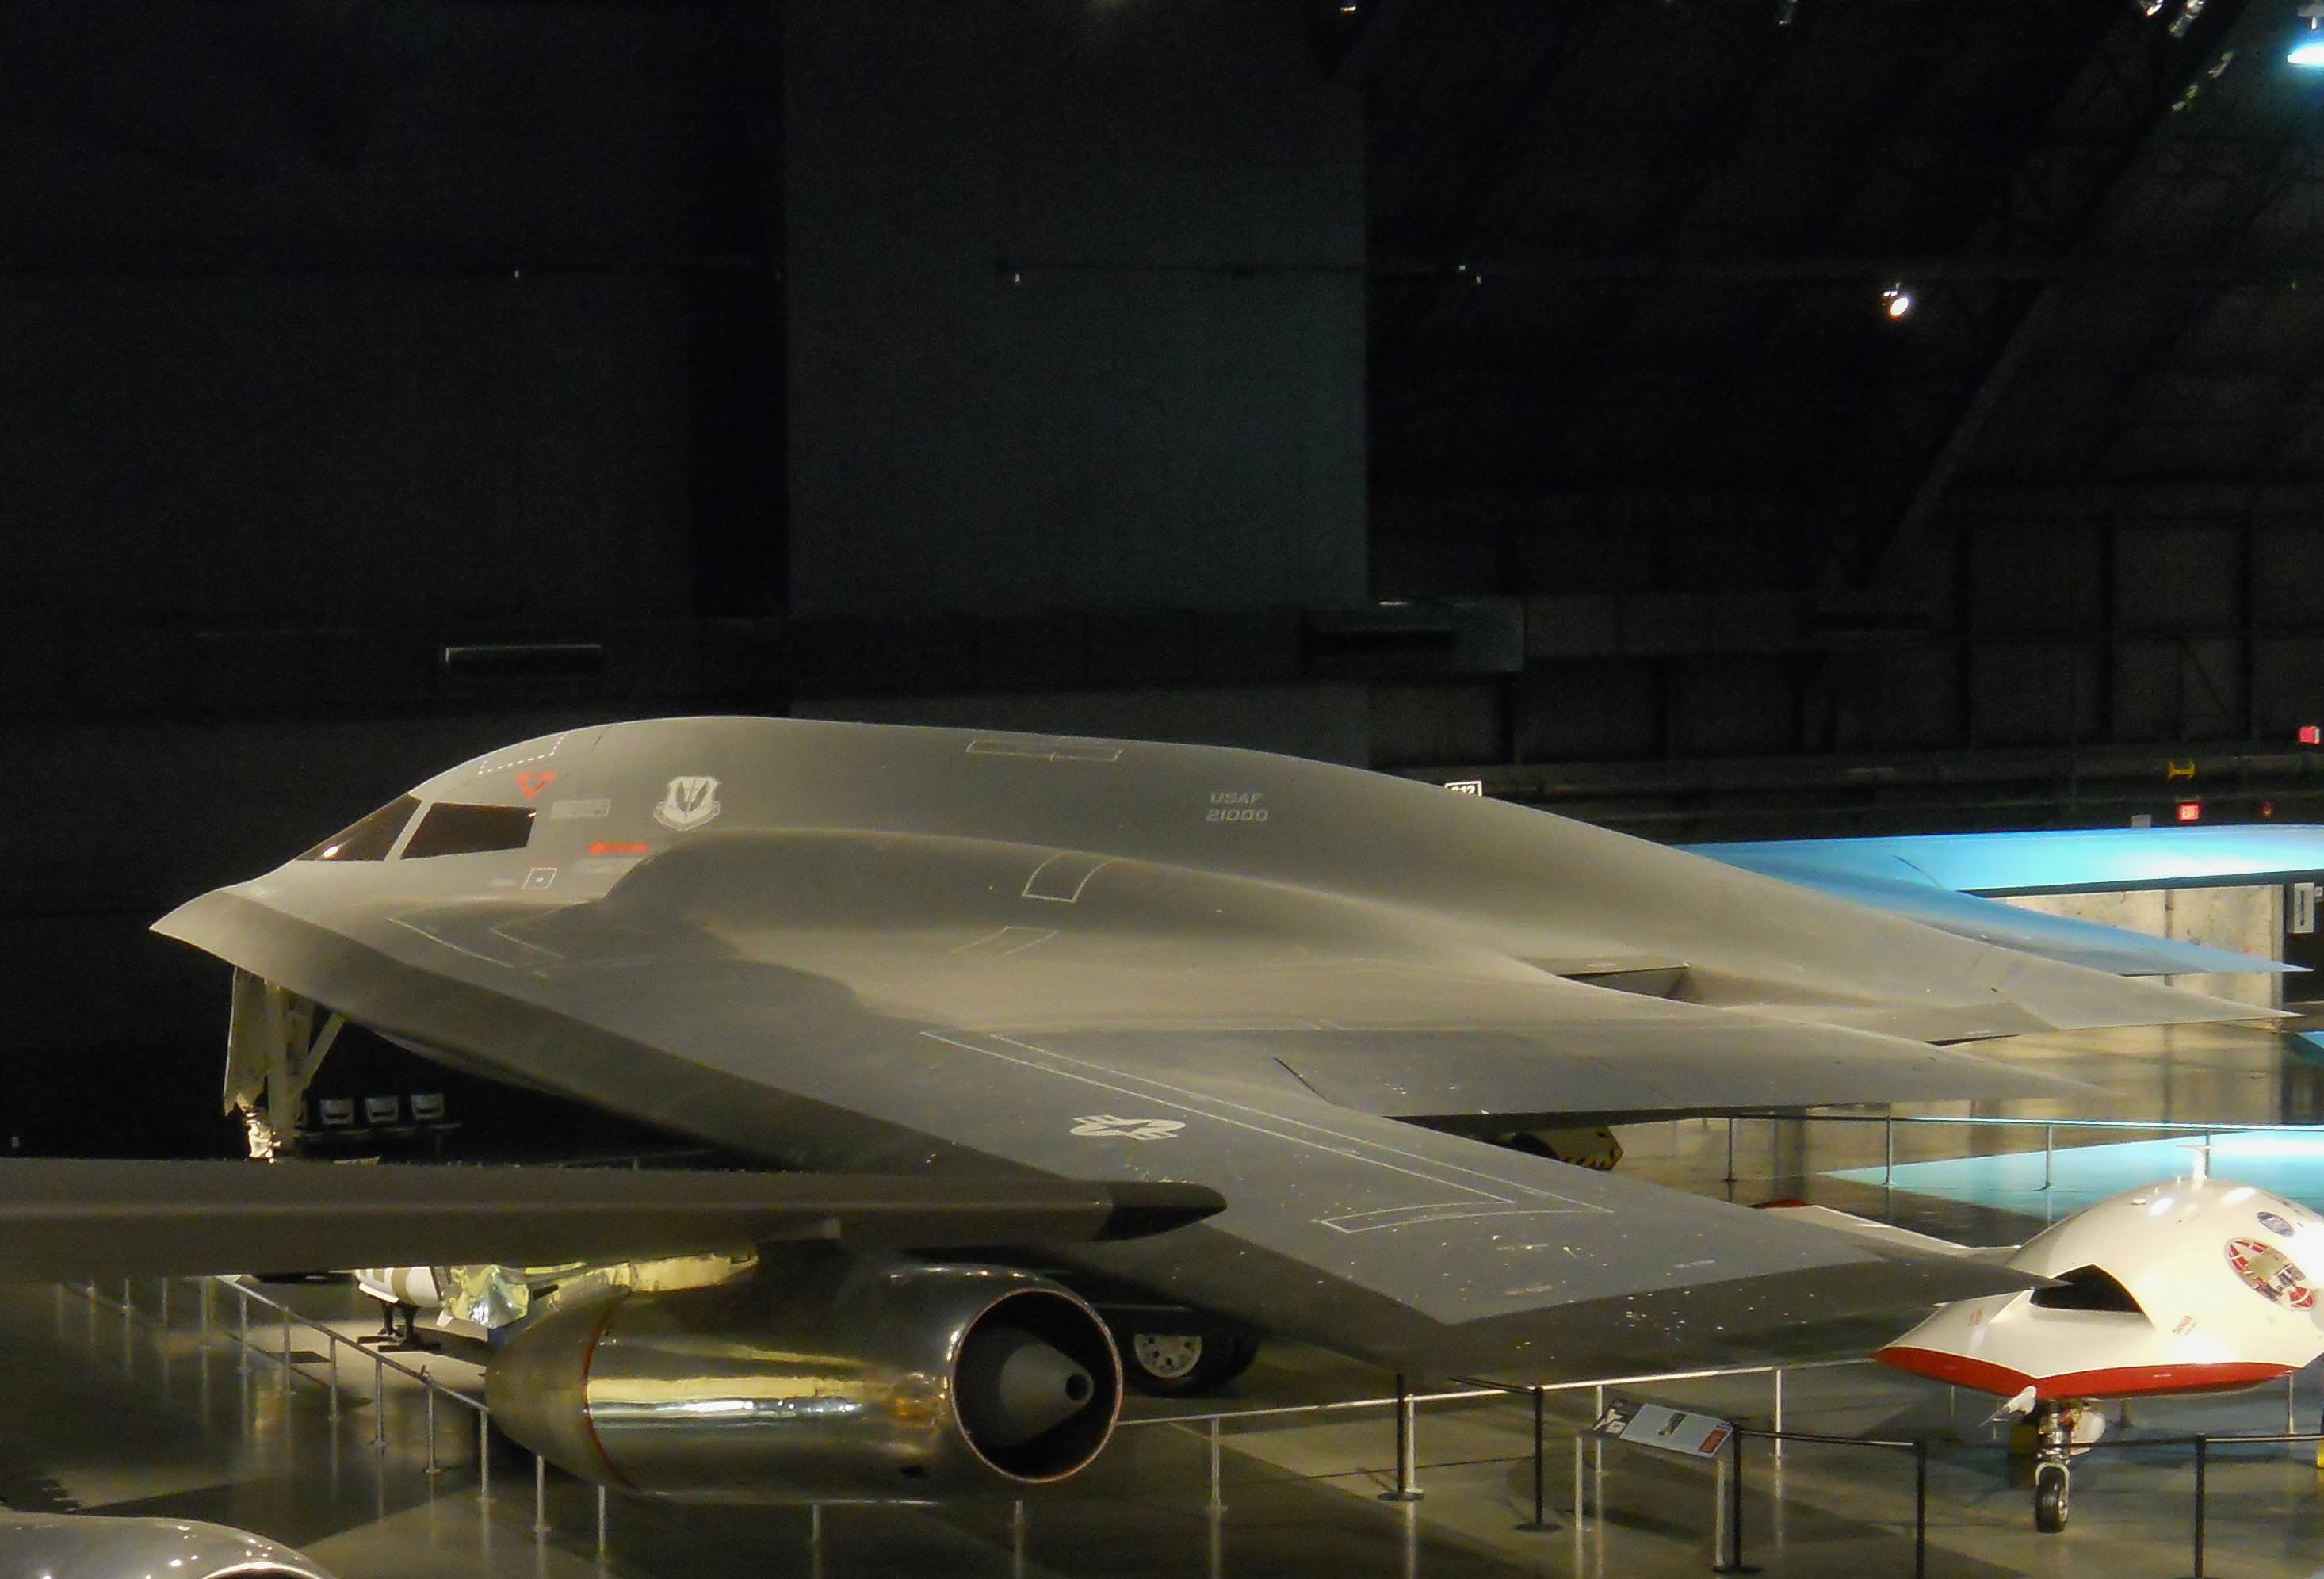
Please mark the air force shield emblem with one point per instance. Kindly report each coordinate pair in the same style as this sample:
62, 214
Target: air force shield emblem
691, 801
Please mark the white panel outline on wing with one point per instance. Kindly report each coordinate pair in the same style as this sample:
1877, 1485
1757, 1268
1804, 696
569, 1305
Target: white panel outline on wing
1056, 892
1009, 940
1192, 1106
1378, 1217
1046, 750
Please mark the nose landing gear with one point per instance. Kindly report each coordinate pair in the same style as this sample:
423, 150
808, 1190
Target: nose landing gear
2053, 1437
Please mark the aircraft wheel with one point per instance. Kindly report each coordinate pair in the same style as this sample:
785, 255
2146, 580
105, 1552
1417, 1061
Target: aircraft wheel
2050, 1497
1245, 1351
1171, 1364
1180, 1364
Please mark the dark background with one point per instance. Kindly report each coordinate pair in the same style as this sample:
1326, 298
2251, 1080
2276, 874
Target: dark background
1473, 388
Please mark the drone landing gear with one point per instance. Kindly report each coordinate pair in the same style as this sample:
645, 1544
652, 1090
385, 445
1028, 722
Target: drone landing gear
395, 1335
2053, 1437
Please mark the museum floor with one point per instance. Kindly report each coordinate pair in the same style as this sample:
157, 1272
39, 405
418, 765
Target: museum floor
150, 1408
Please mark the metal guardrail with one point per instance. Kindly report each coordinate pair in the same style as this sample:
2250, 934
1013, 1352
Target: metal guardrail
1727, 1541
1406, 1403
333, 1342
2203, 1443
1727, 1545
1210, 1424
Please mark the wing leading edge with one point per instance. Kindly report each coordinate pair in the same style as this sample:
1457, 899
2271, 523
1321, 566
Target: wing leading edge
61, 1218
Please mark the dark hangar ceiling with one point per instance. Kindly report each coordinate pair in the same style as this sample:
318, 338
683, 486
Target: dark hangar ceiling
1631, 358
1632, 246
383, 382
437, 329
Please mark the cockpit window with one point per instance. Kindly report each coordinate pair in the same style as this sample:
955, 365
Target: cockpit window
451, 829
2086, 1288
370, 839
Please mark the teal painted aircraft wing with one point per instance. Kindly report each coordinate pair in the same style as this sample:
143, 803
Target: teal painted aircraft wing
1950, 881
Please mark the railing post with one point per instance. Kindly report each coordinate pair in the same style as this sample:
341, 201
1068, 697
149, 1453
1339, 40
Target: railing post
1734, 1563
331, 1352
1407, 1473
1218, 1505
1735, 1508
601, 1523
2202, 1466
429, 1388
242, 1328
1540, 1519
283, 1383
2049, 1151
1720, 1540
539, 1496
1920, 1508
1730, 1151
483, 1457
1888, 1152
378, 1402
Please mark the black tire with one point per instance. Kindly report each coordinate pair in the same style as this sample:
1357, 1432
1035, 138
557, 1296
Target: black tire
1161, 1363
1246, 1350
2050, 1497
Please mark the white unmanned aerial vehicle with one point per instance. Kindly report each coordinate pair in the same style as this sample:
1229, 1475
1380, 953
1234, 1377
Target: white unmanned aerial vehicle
2194, 1286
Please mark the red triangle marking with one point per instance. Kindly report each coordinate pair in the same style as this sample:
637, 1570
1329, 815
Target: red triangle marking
532, 784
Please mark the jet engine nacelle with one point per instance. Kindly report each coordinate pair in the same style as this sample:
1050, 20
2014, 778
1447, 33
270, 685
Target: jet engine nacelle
2194, 1286
826, 1377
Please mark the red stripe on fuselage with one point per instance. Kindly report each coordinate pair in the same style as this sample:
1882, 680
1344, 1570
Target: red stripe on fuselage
2116, 1381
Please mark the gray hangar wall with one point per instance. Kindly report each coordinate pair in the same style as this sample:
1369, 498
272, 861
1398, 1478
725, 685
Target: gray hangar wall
329, 336
1075, 321
336, 338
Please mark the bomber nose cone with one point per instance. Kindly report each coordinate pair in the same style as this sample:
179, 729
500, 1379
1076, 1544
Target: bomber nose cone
1014, 1387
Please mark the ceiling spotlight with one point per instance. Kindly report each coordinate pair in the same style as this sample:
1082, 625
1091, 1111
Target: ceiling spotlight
1897, 302
2307, 44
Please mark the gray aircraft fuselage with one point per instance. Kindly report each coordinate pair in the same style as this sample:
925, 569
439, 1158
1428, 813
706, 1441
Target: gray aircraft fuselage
868, 948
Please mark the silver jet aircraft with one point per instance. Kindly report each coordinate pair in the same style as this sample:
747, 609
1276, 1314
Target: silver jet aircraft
1058, 999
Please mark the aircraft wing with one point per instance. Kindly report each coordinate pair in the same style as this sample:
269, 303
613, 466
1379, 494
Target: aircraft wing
2054, 861
1427, 1251
857, 949
70, 1218
1945, 879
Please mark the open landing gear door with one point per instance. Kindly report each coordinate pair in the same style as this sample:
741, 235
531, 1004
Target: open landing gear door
272, 1051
